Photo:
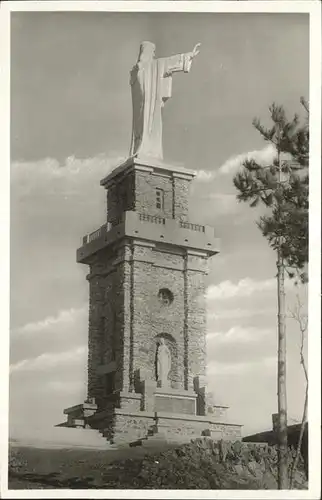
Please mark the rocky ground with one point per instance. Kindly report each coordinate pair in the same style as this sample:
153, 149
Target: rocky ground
201, 464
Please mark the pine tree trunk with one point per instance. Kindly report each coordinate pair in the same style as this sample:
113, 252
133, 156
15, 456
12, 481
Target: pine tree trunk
281, 379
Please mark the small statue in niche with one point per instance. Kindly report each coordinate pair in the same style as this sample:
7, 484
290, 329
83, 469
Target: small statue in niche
163, 363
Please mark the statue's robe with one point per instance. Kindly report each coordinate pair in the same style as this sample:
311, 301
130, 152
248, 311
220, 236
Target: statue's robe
151, 86
163, 364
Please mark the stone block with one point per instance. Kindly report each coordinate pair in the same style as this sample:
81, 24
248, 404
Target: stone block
130, 401
78, 415
173, 404
148, 388
215, 434
218, 413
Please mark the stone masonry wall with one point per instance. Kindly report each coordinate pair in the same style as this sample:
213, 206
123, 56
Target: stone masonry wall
106, 325
145, 199
117, 299
120, 197
181, 198
127, 317
137, 191
129, 428
176, 194
95, 327
196, 326
153, 271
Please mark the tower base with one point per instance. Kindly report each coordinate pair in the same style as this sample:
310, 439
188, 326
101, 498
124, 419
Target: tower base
158, 414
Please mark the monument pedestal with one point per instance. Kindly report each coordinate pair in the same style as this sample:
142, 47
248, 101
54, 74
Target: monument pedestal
157, 413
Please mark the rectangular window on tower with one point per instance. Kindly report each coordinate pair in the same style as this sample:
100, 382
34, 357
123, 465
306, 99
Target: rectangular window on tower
159, 199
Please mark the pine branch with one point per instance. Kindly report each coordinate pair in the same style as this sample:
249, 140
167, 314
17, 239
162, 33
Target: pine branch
287, 198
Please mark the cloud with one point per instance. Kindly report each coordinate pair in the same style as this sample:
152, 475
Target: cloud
50, 177
226, 203
215, 194
68, 317
238, 313
239, 334
243, 288
263, 156
72, 166
53, 204
204, 175
267, 364
50, 360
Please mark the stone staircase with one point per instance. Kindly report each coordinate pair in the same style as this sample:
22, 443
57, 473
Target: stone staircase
157, 439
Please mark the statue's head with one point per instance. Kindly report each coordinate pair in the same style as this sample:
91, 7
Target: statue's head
161, 341
147, 51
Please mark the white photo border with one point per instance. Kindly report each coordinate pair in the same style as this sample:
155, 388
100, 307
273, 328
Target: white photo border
311, 7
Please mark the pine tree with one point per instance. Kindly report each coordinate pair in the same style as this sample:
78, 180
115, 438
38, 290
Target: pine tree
282, 188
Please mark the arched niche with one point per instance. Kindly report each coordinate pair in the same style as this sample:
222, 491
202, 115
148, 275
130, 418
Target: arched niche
172, 345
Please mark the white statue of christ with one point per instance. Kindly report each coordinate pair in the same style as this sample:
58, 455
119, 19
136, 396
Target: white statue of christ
151, 85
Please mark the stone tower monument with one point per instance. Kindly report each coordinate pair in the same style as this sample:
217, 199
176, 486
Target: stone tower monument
147, 268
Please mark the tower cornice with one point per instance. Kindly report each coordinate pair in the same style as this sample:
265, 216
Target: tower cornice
146, 165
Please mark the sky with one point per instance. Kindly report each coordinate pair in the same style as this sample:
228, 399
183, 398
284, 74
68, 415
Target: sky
71, 125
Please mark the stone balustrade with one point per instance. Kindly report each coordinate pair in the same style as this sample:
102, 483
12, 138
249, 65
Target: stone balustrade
142, 217
152, 218
193, 227
152, 228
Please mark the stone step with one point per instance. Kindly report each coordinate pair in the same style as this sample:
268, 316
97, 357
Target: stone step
106, 433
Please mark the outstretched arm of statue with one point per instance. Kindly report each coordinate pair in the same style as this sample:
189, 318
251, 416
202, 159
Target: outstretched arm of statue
196, 50
180, 62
